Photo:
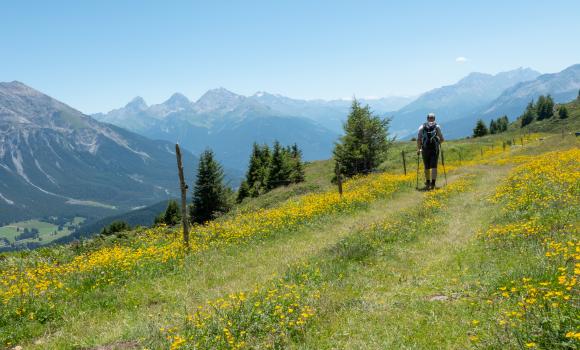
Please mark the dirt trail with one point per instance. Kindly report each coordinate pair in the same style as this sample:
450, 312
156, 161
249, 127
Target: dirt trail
411, 295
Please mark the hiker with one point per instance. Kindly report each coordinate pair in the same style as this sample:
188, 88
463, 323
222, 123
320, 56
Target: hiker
429, 139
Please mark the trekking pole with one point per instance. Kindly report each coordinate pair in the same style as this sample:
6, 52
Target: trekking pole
417, 186
443, 163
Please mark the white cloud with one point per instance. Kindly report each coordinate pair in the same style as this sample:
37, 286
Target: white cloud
461, 59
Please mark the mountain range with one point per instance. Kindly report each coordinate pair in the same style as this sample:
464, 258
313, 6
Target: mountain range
56, 161
228, 122
563, 86
464, 99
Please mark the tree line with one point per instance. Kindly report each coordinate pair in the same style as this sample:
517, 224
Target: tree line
496, 126
269, 169
211, 197
544, 108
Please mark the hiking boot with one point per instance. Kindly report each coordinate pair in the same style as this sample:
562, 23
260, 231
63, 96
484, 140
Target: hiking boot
427, 185
432, 184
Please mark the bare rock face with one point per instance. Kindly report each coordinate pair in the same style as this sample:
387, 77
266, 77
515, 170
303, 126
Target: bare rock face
56, 161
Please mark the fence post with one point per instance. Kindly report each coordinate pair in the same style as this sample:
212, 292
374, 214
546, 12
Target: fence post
183, 187
481, 151
339, 180
522, 140
404, 162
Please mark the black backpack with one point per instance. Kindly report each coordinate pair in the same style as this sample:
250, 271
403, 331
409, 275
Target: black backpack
430, 138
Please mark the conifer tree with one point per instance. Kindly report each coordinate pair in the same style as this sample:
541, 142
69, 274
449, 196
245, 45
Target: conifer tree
298, 168
258, 170
563, 112
172, 215
480, 129
529, 115
365, 141
209, 193
493, 127
502, 123
280, 167
243, 191
545, 107
114, 227
549, 107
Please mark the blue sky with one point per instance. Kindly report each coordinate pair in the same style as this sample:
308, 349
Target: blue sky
97, 55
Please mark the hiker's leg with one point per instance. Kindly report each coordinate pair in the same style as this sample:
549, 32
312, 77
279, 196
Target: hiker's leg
434, 159
427, 165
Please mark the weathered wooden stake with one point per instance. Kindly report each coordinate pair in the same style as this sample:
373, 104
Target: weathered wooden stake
183, 187
404, 162
339, 180
503, 145
481, 151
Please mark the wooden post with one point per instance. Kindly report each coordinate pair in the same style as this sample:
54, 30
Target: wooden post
481, 151
404, 162
503, 145
183, 187
339, 180
522, 140
460, 159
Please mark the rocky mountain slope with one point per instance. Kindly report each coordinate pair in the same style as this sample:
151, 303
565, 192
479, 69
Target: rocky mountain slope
55, 161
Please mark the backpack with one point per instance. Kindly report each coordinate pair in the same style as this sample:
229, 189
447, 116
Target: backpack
429, 137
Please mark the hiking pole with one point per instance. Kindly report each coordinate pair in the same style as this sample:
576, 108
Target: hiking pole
417, 186
443, 163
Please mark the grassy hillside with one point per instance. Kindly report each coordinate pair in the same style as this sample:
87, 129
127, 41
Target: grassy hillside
382, 267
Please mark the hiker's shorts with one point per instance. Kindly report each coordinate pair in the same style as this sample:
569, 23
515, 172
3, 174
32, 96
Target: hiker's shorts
430, 157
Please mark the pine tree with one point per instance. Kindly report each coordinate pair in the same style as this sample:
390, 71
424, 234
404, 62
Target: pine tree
549, 107
209, 193
493, 127
280, 167
172, 214
541, 107
298, 168
503, 123
563, 112
365, 142
243, 191
529, 115
114, 227
545, 107
480, 129
258, 170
